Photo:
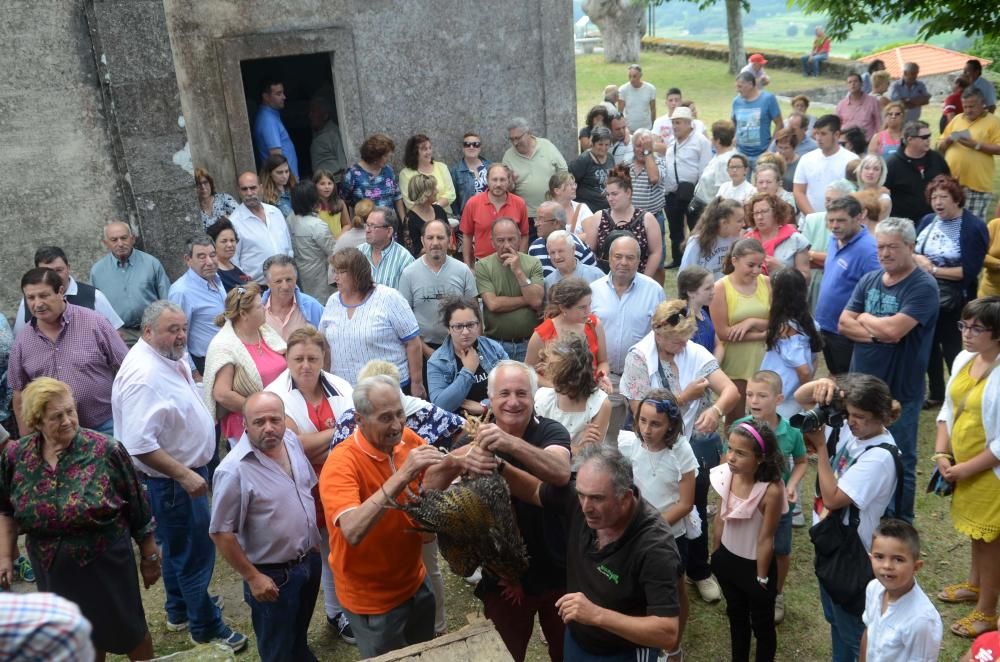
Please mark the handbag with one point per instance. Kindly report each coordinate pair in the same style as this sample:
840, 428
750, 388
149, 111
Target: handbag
841, 561
685, 190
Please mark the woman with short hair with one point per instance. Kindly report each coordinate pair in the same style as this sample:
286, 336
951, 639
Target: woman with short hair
372, 177
591, 168
213, 205
418, 158
224, 235
887, 142
424, 208
596, 116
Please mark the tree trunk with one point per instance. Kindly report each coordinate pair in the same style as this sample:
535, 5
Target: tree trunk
622, 24
734, 24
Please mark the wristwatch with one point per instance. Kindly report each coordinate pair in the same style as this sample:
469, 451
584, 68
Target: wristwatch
763, 580
646, 152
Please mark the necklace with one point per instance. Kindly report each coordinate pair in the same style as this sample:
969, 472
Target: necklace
654, 467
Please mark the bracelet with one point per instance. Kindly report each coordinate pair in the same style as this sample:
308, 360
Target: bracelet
718, 411
938, 456
763, 580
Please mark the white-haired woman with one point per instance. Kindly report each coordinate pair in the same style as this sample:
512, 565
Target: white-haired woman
871, 177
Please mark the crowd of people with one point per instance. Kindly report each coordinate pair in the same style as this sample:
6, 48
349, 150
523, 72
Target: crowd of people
321, 357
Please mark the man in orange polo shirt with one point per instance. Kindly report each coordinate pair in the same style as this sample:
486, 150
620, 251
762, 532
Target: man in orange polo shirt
484, 208
374, 552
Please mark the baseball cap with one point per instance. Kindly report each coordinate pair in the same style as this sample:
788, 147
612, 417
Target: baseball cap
757, 58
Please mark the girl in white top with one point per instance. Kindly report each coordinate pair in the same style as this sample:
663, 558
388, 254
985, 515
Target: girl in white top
562, 189
664, 469
852, 476
575, 400
737, 188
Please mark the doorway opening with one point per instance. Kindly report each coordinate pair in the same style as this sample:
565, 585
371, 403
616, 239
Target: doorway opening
305, 77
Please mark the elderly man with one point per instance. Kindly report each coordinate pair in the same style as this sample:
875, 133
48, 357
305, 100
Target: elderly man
129, 277
286, 307
637, 100
387, 257
754, 110
686, 158
483, 209
375, 553
161, 420
532, 161
611, 100
538, 447
621, 150
798, 123
612, 532
79, 294
551, 217
269, 133
264, 525
850, 254
624, 301
430, 278
859, 109
910, 91
512, 288
261, 228
755, 67
66, 342
970, 144
910, 168
890, 317
973, 70
202, 296
820, 167
561, 250
327, 148
820, 52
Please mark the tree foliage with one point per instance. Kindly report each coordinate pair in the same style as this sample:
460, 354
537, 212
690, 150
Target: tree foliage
934, 16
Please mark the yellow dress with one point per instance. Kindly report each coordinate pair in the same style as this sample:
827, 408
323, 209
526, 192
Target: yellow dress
975, 505
742, 359
989, 283
333, 221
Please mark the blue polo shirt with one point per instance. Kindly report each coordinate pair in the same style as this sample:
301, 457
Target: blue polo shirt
844, 268
201, 301
269, 132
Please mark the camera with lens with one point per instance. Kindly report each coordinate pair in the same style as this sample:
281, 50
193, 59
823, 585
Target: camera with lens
833, 414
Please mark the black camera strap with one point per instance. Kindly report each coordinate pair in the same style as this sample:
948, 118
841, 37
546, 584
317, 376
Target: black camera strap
831, 451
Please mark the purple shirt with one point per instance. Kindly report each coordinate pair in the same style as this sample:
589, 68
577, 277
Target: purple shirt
86, 356
272, 514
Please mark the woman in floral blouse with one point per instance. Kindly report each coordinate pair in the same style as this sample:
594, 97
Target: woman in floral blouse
372, 177
75, 494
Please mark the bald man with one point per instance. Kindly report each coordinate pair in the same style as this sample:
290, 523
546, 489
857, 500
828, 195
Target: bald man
261, 228
130, 278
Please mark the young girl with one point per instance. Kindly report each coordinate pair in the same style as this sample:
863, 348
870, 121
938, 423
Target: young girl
737, 188
276, 182
575, 398
718, 228
664, 469
752, 499
331, 207
696, 285
793, 342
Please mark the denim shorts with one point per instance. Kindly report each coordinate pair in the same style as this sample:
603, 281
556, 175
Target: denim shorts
783, 535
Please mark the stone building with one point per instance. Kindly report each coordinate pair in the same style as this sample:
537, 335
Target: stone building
107, 105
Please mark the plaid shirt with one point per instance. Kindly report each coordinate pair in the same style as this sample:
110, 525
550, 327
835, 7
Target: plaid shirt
43, 626
86, 356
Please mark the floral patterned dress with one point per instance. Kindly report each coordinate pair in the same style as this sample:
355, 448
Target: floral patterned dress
434, 425
359, 184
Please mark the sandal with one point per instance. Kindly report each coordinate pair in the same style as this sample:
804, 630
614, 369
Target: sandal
961, 592
974, 624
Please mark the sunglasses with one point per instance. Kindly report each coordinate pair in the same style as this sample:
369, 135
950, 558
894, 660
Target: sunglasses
673, 320
472, 143
924, 137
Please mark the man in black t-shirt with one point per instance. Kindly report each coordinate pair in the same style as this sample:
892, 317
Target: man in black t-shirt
910, 169
622, 562
538, 448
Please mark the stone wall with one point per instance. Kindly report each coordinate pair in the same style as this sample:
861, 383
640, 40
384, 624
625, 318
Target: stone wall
835, 66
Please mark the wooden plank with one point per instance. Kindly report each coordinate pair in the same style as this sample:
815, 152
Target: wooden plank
479, 640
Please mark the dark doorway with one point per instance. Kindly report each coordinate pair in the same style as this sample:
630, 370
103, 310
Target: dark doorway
304, 77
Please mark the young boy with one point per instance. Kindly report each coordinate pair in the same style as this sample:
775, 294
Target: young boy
764, 394
902, 624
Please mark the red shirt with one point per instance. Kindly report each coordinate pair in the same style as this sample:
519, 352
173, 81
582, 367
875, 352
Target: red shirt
478, 217
322, 417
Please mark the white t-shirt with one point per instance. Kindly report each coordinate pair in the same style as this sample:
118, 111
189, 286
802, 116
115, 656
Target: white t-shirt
910, 628
547, 405
658, 475
817, 171
869, 480
637, 115
740, 193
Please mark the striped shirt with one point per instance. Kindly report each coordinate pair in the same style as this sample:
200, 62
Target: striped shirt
378, 329
43, 626
582, 252
86, 356
650, 197
390, 267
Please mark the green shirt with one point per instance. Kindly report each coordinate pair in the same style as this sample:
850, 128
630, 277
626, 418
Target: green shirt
790, 441
493, 276
533, 172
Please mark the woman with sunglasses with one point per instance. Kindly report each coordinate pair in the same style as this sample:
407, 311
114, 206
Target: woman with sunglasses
668, 358
469, 174
458, 370
886, 142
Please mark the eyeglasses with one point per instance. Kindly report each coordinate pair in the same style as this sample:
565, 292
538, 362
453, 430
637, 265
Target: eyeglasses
472, 144
370, 226
972, 329
515, 139
463, 326
248, 188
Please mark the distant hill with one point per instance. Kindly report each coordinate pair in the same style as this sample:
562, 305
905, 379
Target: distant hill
770, 24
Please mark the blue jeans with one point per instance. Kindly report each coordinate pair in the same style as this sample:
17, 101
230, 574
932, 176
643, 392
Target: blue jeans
281, 626
810, 63
516, 349
904, 433
188, 555
845, 629
708, 450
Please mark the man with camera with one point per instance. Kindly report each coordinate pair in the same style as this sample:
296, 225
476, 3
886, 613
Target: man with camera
890, 318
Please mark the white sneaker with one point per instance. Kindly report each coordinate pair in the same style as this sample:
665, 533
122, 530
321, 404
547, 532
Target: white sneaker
779, 608
474, 577
709, 589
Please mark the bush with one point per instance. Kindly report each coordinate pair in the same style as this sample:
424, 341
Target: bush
989, 48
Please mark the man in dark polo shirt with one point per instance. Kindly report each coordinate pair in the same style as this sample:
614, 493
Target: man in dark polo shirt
622, 562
